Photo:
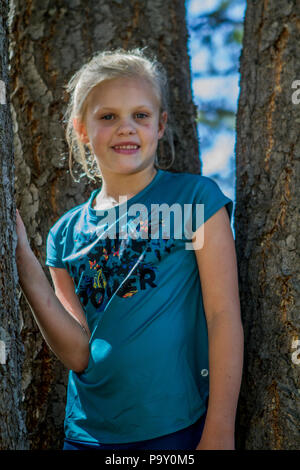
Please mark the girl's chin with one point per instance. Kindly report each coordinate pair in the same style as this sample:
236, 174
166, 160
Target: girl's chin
125, 167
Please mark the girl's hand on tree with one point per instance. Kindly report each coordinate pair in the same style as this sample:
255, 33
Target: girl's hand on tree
23, 243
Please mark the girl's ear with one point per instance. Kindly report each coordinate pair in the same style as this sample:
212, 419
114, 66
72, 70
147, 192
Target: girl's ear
162, 124
80, 130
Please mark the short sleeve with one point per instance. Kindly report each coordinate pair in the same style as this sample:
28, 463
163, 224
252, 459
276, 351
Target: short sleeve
54, 252
213, 199
208, 199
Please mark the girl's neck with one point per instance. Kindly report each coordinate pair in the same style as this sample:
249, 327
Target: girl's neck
115, 186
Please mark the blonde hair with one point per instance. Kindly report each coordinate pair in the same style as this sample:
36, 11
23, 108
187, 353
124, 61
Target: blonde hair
107, 65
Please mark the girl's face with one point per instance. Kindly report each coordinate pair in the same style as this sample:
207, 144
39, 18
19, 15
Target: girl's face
122, 124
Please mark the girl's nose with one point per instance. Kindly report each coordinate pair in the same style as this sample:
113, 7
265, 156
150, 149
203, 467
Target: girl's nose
126, 127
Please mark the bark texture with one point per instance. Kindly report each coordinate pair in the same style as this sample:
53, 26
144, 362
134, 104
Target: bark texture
12, 426
267, 225
50, 40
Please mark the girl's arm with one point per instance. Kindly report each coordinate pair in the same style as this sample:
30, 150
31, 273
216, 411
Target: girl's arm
66, 336
219, 282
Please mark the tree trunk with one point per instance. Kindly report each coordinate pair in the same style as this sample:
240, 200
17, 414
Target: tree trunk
12, 427
49, 42
267, 225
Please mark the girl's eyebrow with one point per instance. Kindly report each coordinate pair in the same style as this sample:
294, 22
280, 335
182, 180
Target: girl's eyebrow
111, 108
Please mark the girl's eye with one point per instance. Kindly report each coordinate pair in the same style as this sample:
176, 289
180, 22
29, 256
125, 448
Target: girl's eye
107, 117
141, 115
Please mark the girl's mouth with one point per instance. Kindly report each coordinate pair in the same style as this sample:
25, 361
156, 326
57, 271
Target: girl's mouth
126, 149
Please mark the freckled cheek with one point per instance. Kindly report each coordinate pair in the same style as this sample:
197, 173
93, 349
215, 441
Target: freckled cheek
154, 142
101, 137
150, 136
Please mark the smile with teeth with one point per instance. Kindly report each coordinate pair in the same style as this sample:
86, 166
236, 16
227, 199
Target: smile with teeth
128, 147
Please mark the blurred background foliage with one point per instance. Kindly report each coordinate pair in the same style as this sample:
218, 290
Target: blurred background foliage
215, 43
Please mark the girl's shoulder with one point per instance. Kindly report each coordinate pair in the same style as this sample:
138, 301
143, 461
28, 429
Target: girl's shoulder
193, 189
185, 177
192, 183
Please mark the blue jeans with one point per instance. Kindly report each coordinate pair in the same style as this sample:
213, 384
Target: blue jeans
184, 439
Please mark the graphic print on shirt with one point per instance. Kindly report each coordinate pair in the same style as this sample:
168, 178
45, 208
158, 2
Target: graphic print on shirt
108, 263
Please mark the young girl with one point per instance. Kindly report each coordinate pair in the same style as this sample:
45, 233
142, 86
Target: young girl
149, 328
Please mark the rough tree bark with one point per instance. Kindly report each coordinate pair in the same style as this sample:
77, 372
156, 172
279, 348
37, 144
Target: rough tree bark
267, 224
12, 426
49, 42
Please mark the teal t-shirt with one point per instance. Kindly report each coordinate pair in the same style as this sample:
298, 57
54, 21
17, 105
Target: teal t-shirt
137, 280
